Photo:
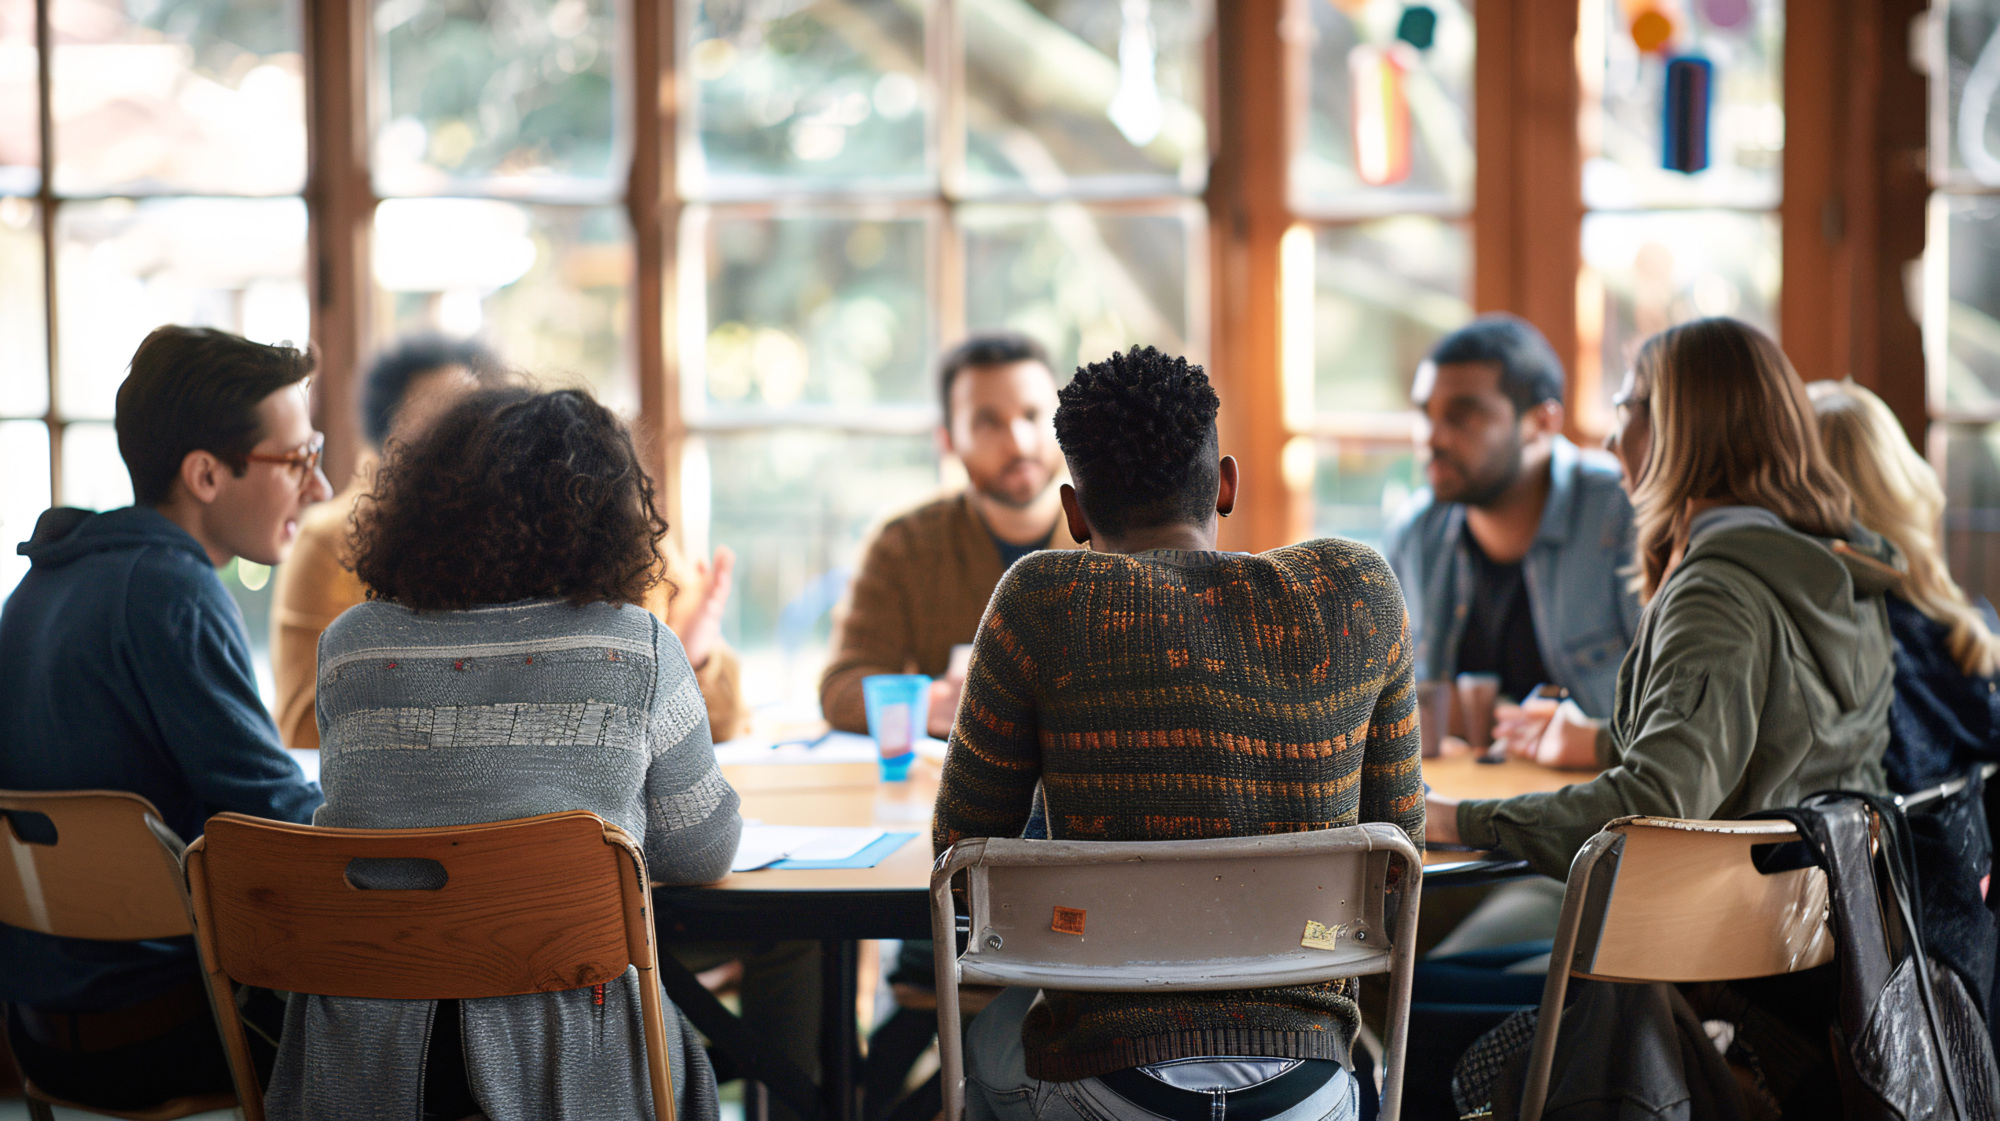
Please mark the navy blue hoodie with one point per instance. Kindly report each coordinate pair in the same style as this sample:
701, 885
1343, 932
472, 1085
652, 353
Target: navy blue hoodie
124, 665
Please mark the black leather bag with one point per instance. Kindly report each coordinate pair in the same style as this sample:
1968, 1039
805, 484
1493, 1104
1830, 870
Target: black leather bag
1909, 1042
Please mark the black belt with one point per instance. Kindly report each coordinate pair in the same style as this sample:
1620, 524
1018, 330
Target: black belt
1265, 1100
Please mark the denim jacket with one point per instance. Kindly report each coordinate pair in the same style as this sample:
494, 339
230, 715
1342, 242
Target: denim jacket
1584, 616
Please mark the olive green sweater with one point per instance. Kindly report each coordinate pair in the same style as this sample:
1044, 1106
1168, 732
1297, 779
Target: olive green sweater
1761, 674
1169, 696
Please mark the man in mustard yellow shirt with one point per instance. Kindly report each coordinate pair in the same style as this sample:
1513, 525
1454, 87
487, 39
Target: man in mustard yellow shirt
408, 387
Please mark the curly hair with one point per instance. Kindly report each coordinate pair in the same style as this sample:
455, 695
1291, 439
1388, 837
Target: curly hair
512, 495
1138, 430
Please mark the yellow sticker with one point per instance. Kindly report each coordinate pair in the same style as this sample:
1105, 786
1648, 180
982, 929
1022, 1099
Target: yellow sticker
1067, 920
1320, 936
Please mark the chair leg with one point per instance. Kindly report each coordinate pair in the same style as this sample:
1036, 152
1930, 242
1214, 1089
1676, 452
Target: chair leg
1541, 1056
40, 1111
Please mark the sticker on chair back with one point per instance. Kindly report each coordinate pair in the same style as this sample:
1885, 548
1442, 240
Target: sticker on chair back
1320, 936
1067, 920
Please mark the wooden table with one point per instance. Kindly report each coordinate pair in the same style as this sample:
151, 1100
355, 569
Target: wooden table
840, 907
1464, 776
836, 907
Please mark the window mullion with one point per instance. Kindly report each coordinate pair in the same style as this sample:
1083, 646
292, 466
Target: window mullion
46, 195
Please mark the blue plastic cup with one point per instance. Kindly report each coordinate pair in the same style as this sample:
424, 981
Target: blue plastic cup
899, 706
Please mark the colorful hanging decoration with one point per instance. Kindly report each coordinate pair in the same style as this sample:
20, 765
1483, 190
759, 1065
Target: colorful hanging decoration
1418, 26
1652, 30
1135, 108
1726, 14
1684, 132
1381, 113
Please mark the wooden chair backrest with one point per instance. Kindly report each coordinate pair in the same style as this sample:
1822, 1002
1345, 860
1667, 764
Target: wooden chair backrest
532, 905
105, 878
1670, 899
1682, 901
538, 904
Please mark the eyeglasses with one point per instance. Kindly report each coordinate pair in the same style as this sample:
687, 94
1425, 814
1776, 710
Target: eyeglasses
305, 461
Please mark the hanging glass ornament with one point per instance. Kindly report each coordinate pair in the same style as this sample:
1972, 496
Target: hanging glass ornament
1684, 129
1726, 14
1381, 122
1418, 26
1135, 109
1652, 30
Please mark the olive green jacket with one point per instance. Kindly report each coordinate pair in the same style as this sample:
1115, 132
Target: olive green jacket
1761, 674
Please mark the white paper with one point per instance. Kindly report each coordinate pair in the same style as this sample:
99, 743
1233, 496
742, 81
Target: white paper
834, 747
764, 845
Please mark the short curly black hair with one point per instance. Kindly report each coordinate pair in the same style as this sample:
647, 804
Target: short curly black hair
511, 495
1138, 430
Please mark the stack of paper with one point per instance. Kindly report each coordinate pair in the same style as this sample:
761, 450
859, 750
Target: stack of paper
765, 845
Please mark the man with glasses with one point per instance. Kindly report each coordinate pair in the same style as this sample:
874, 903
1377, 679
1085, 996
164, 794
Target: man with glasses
128, 668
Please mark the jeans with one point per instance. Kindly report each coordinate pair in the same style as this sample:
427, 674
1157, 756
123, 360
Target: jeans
997, 1086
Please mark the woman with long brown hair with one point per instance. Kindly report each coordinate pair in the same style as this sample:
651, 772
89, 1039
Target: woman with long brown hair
1947, 706
1761, 672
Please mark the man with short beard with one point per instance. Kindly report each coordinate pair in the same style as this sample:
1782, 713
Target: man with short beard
927, 574
1510, 559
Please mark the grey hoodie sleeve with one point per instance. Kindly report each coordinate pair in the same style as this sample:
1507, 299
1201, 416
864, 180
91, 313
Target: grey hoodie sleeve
692, 818
1680, 750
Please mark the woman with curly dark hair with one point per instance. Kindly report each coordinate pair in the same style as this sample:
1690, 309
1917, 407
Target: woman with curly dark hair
502, 669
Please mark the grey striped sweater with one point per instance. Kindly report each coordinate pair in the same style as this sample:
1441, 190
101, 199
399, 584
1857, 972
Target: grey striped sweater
454, 718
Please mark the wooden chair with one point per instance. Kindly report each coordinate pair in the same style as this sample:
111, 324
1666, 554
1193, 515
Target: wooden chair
1202, 916
1666, 899
539, 904
106, 878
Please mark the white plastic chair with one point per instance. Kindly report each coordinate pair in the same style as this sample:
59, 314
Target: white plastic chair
1212, 915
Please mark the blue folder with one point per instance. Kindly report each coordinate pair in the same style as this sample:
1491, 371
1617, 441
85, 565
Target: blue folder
869, 857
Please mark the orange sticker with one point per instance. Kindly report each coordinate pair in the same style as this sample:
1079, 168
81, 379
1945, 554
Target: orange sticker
1068, 920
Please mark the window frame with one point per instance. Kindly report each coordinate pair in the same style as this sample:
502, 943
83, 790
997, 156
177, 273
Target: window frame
1525, 216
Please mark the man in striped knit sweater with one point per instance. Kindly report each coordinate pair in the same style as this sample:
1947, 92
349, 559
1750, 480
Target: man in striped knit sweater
1159, 689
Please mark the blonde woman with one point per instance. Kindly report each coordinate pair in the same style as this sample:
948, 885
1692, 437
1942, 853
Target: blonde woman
1761, 672
1947, 703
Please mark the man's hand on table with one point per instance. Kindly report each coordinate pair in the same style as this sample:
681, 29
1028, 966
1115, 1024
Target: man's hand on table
1441, 820
1566, 739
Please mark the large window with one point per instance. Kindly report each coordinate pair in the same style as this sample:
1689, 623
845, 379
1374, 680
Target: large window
1660, 245
753, 226
167, 191
1961, 283
500, 151
1379, 264
864, 184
